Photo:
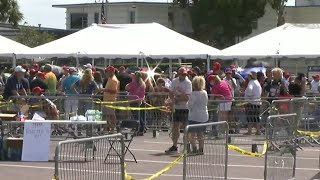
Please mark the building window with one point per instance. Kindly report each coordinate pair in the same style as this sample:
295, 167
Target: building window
79, 20
132, 17
96, 18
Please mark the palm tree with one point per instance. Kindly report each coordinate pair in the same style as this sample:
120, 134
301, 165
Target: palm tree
10, 12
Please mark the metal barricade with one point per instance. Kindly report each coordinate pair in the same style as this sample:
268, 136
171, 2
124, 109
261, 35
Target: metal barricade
209, 158
88, 159
247, 121
158, 119
280, 158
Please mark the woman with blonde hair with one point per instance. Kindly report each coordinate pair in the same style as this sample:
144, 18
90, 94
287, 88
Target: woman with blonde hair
137, 90
198, 113
276, 86
86, 86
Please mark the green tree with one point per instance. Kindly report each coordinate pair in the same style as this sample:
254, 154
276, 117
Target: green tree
220, 22
10, 12
279, 7
32, 37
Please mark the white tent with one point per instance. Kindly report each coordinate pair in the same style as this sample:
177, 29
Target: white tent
288, 40
123, 41
9, 47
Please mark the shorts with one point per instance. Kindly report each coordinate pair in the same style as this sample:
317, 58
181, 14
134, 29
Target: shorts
226, 106
181, 115
253, 113
196, 129
109, 111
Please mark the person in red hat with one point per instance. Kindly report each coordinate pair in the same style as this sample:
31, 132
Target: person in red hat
64, 76
32, 75
45, 107
216, 70
124, 79
190, 74
315, 83
36, 67
110, 95
39, 82
180, 90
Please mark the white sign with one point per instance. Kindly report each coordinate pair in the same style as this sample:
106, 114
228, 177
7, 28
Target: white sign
36, 141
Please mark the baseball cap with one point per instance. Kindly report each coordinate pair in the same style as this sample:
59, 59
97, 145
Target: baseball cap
190, 72
33, 71
286, 74
211, 77
72, 69
183, 71
316, 76
122, 68
228, 71
37, 89
65, 67
216, 65
19, 69
41, 74
88, 66
110, 68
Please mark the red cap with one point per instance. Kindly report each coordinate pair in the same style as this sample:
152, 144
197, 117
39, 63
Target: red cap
190, 72
216, 65
36, 65
110, 68
65, 67
286, 74
122, 68
183, 71
94, 69
211, 77
41, 74
33, 71
316, 76
37, 89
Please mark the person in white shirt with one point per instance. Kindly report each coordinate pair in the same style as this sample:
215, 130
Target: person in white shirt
180, 91
198, 113
252, 96
315, 83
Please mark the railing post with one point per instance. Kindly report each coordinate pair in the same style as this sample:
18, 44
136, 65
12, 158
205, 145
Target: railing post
122, 159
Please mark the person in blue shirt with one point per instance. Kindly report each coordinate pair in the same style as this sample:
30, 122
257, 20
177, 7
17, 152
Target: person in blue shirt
71, 103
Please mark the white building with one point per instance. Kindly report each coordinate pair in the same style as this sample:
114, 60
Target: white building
79, 16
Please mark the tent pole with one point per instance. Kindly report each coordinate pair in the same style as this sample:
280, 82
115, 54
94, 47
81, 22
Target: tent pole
104, 62
109, 62
137, 61
77, 62
92, 61
208, 63
14, 60
170, 69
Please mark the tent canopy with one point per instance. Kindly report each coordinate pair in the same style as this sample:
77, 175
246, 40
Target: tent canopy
9, 47
288, 40
123, 41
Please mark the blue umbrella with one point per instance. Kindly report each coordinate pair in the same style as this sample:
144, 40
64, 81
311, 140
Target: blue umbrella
255, 69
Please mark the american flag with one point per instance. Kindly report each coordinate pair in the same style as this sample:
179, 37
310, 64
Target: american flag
103, 16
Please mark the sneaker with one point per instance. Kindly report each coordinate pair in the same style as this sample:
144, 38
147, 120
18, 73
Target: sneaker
172, 150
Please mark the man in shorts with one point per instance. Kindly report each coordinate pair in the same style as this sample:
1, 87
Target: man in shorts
180, 90
110, 95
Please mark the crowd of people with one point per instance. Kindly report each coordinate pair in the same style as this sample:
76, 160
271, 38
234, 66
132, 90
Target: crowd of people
188, 92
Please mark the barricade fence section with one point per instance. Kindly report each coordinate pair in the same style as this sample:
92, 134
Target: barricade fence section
161, 118
280, 158
206, 148
90, 158
246, 119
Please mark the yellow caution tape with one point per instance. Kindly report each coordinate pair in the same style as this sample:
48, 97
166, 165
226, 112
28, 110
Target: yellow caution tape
245, 152
117, 102
242, 104
124, 108
158, 174
309, 133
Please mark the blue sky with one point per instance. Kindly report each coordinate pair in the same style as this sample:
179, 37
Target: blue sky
41, 11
